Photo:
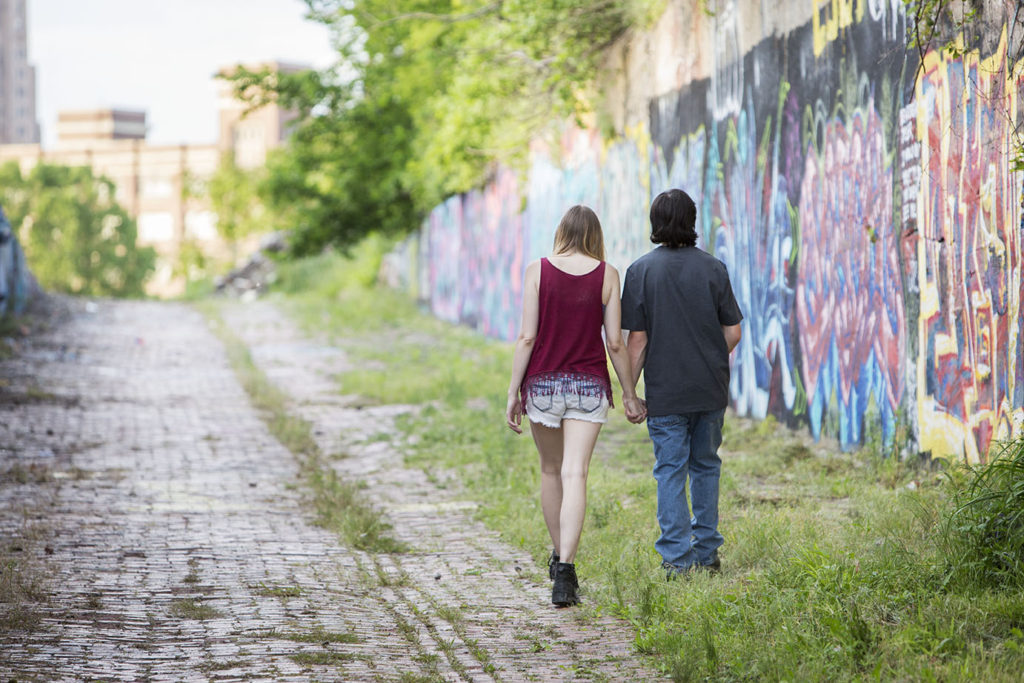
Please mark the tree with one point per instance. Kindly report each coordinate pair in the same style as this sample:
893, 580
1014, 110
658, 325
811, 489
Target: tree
428, 97
234, 198
342, 173
77, 238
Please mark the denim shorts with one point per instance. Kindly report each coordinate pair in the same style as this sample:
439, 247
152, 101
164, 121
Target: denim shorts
550, 409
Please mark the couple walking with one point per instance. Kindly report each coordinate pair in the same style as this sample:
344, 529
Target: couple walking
683, 321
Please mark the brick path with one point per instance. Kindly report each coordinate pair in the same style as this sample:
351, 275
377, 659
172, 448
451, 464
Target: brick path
177, 541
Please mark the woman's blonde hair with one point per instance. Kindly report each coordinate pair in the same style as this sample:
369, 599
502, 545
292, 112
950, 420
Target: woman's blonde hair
580, 230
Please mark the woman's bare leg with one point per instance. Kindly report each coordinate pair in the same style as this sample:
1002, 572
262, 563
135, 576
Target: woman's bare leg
579, 438
549, 445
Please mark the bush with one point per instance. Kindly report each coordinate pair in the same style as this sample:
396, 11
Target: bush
985, 530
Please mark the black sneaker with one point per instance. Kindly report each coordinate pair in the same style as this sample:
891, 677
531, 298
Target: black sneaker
565, 591
712, 567
672, 572
552, 561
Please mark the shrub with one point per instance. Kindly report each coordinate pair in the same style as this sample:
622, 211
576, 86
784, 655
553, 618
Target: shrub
985, 529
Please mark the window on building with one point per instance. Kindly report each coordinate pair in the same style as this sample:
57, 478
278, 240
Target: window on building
201, 225
156, 227
156, 187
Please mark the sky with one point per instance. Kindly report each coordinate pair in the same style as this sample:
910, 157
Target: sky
160, 56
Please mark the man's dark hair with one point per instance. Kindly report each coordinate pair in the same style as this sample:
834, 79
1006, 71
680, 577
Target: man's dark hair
673, 216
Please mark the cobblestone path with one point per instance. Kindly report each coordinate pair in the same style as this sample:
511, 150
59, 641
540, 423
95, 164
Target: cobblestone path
176, 542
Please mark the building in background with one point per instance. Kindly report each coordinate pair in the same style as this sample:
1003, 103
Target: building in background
162, 185
100, 124
17, 77
249, 135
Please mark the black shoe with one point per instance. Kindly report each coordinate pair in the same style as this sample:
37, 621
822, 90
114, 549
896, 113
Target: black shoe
672, 572
552, 561
712, 567
565, 591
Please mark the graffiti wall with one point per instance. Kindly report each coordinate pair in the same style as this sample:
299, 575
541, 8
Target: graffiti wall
16, 282
863, 195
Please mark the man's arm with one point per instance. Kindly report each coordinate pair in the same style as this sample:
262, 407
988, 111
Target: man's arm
732, 335
636, 350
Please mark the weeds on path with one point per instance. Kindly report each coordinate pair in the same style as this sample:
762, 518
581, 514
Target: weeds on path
842, 566
339, 504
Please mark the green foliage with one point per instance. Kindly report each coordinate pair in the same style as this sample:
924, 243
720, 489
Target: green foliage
77, 238
985, 531
330, 274
430, 94
234, 198
949, 26
939, 24
342, 173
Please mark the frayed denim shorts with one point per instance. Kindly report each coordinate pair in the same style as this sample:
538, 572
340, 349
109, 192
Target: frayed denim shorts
548, 404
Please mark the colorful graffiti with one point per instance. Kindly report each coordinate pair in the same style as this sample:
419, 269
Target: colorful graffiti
970, 272
17, 285
864, 202
849, 308
474, 258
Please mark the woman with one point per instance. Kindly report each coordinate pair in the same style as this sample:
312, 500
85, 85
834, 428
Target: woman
560, 378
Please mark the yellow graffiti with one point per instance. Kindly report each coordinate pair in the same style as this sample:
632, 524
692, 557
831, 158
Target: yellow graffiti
969, 215
830, 17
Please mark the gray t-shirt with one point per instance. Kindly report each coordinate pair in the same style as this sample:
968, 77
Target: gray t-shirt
681, 298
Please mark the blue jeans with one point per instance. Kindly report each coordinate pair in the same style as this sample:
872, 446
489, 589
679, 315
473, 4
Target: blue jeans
687, 445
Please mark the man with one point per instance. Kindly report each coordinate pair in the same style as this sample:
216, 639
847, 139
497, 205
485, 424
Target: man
684, 322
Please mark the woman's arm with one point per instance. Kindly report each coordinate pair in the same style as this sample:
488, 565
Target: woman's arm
524, 345
616, 348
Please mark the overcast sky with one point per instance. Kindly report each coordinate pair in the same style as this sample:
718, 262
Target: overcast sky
159, 55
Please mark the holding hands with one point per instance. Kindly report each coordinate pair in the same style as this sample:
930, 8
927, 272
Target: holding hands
636, 409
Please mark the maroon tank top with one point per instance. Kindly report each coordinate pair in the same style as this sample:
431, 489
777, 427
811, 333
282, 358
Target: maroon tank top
568, 354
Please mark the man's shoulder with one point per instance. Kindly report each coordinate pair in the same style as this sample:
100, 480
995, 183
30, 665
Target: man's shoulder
662, 255
706, 260
654, 256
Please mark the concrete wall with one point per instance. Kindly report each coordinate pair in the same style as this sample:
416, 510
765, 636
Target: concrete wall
862, 196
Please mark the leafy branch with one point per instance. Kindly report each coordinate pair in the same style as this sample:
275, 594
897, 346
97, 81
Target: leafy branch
946, 26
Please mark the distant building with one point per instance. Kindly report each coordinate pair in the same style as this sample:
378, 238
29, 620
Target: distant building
100, 124
161, 185
251, 135
17, 77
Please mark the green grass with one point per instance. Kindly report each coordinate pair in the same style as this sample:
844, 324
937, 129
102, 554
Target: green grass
188, 608
322, 658
836, 565
316, 635
277, 591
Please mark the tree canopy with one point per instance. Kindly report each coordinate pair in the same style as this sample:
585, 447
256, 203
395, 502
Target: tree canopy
427, 97
77, 238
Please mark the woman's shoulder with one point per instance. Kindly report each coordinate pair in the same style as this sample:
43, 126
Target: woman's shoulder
533, 268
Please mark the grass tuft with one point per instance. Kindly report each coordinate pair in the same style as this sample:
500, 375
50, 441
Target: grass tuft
189, 608
984, 538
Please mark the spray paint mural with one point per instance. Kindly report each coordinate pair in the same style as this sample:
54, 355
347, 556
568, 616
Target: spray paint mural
17, 285
863, 199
